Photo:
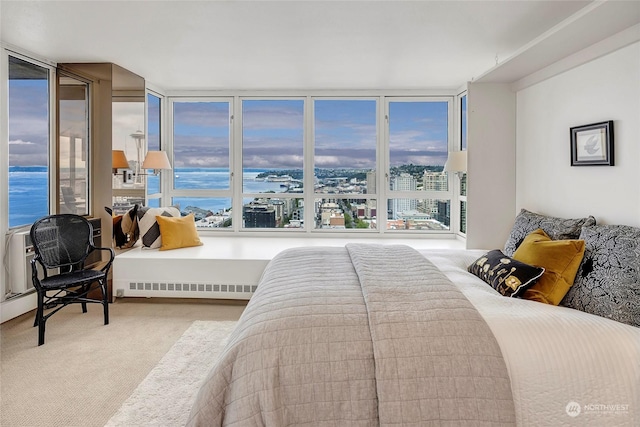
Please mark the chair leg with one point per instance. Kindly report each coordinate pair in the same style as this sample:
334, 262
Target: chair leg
40, 321
39, 310
105, 301
41, 331
85, 288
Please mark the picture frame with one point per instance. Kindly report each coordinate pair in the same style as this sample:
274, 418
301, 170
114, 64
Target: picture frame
592, 145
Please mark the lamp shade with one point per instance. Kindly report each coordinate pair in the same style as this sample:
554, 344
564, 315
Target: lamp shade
119, 160
457, 162
156, 160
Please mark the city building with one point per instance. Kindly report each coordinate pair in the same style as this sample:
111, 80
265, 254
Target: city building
259, 216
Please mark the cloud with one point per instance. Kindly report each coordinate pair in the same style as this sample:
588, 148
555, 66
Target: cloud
128, 117
346, 159
200, 115
273, 136
271, 115
29, 159
274, 161
210, 162
20, 142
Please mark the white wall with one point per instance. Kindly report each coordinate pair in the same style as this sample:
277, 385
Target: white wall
607, 88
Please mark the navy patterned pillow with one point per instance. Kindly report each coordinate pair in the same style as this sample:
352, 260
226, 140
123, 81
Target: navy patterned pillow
556, 228
608, 280
506, 275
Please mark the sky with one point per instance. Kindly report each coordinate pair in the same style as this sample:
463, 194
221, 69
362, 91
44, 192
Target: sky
28, 122
344, 131
273, 131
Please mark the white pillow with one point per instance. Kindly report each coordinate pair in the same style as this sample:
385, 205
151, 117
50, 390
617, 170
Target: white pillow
149, 228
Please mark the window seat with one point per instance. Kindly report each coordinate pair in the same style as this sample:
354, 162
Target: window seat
223, 267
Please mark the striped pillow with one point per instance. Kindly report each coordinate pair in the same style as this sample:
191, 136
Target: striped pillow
149, 229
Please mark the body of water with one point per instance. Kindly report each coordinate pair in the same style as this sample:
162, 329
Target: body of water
28, 189
28, 194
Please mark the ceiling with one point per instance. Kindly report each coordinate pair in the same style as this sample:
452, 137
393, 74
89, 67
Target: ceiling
274, 45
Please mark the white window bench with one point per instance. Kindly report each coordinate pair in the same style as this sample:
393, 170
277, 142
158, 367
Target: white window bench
224, 267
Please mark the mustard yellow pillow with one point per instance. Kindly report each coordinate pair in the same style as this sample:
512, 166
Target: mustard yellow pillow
560, 259
178, 232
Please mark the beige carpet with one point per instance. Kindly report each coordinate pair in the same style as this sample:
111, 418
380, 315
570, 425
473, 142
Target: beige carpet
85, 371
166, 395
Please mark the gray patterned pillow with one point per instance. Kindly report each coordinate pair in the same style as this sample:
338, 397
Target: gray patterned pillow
608, 280
556, 228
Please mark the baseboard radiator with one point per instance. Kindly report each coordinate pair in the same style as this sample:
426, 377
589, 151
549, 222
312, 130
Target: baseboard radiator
185, 290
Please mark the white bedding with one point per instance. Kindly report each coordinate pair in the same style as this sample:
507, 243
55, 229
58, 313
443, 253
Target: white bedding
566, 367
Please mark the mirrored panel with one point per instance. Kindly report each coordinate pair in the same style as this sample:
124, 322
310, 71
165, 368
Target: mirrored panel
74, 143
128, 136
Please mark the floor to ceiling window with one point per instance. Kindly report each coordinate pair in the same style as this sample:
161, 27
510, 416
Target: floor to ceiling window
313, 163
272, 163
345, 164
419, 197
29, 126
202, 174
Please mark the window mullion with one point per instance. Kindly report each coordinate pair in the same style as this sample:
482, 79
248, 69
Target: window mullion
166, 183
382, 183
236, 162
309, 149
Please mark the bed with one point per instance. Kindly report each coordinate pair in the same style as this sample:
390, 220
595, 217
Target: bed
367, 335
545, 331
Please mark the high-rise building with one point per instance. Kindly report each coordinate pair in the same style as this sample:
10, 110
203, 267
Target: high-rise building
259, 216
403, 182
434, 181
444, 212
371, 182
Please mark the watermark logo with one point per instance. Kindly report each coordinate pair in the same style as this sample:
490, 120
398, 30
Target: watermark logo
573, 409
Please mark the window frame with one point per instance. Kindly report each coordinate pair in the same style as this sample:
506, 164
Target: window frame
462, 144
239, 193
169, 190
311, 196
419, 195
161, 144
382, 193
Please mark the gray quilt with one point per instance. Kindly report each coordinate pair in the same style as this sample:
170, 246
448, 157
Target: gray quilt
358, 336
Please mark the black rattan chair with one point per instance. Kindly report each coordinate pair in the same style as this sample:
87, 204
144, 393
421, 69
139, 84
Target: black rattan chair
62, 243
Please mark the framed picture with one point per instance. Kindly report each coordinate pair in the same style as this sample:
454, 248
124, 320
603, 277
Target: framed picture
592, 145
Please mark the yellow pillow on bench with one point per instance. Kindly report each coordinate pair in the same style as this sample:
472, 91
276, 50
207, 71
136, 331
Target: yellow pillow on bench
560, 259
178, 232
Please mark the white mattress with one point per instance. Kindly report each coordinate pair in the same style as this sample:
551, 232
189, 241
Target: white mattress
567, 367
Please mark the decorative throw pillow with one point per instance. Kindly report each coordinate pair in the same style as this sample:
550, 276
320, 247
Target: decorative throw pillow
125, 228
118, 237
178, 232
557, 228
149, 229
608, 280
506, 275
560, 260
129, 228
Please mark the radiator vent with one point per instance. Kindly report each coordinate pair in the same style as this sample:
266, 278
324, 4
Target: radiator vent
191, 287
